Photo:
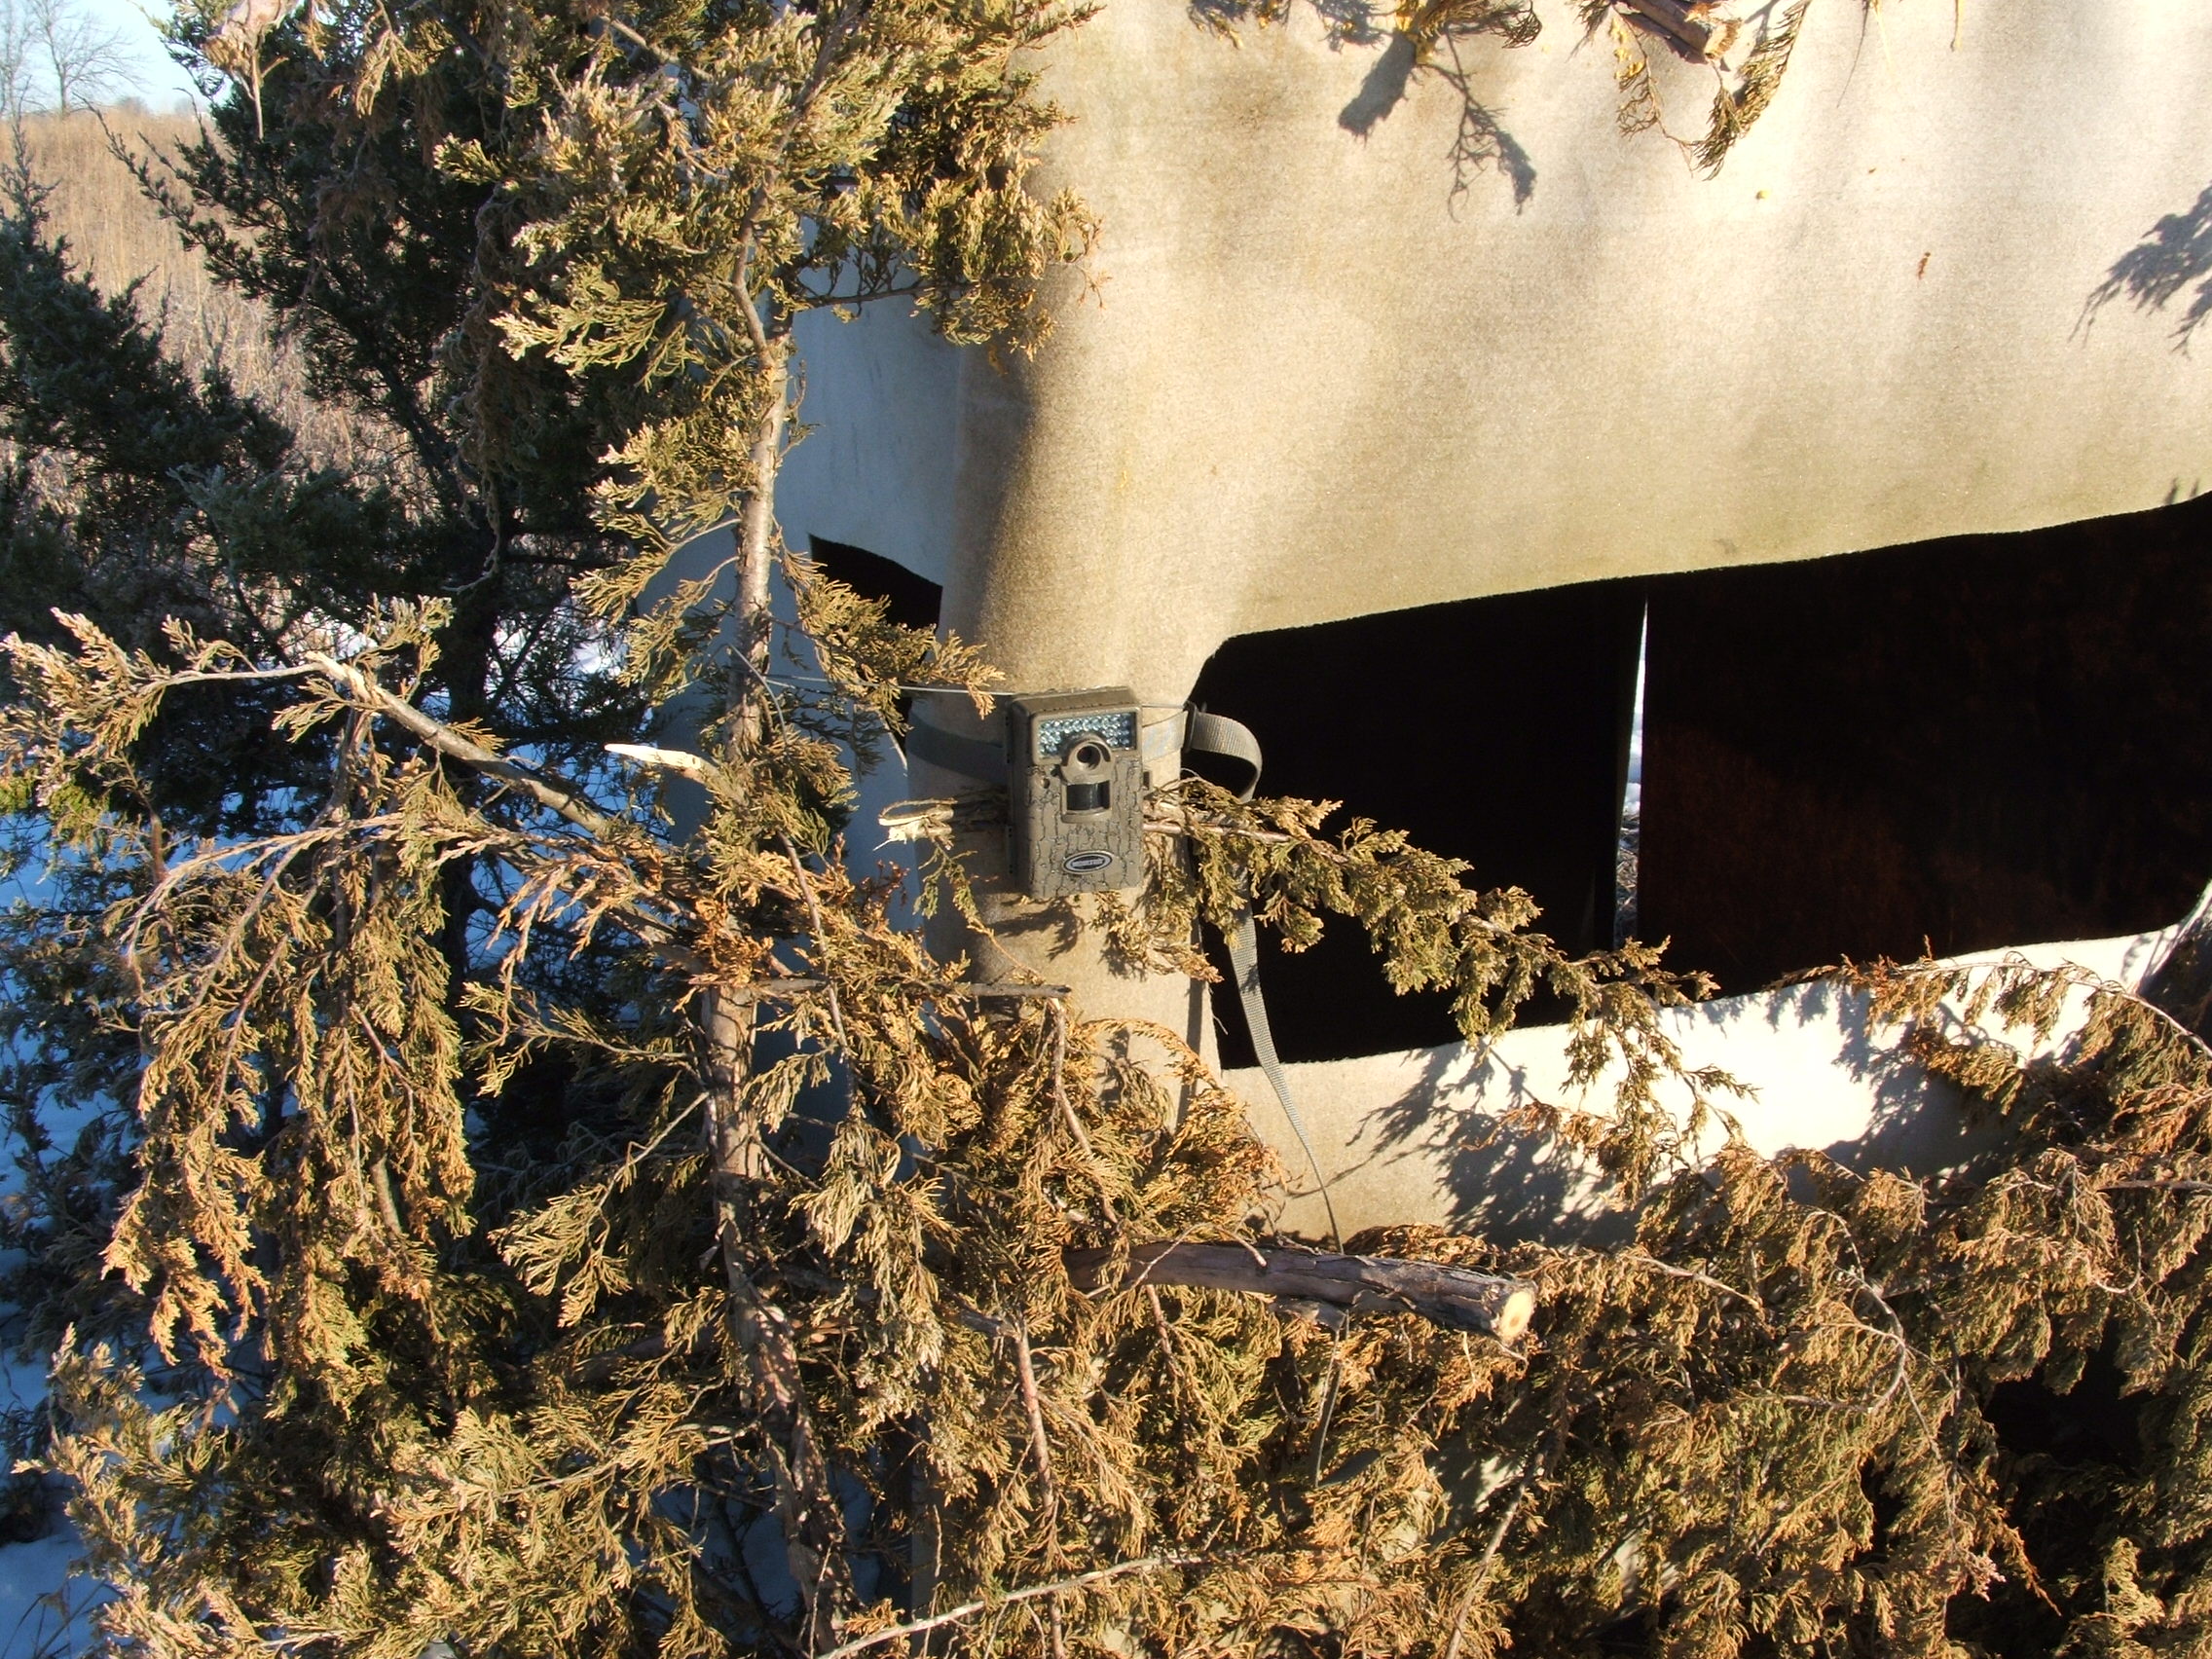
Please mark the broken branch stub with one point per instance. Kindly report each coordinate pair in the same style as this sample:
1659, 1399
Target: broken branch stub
1455, 1296
1702, 30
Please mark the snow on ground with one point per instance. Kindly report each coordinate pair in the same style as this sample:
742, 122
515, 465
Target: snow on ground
32, 1626
31, 1576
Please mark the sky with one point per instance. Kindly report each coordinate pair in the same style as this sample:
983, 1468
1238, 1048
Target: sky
163, 84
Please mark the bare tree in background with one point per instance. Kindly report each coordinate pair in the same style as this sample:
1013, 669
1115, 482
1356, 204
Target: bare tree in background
16, 93
83, 60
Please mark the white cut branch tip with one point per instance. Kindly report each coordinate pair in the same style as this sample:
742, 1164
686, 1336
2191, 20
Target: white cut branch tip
645, 754
916, 820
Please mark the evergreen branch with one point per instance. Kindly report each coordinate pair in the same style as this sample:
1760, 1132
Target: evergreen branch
566, 802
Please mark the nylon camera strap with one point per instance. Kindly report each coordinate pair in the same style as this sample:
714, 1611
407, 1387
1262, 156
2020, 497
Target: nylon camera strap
1214, 735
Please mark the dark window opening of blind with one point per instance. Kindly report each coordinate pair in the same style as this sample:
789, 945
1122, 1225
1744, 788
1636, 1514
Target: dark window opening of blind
1959, 745
914, 601
1493, 730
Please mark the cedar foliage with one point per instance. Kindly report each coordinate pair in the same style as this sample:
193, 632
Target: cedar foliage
1774, 1417
504, 1219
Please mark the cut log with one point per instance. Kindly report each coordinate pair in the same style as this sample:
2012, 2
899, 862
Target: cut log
1455, 1296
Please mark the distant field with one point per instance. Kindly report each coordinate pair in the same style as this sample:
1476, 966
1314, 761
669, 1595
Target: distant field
115, 236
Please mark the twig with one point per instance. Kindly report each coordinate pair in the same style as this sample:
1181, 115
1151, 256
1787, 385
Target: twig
1702, 37
1483, 1567
1328, 1406
814, 915
1531, 1472
1039, 1445
781, 984
1073, 1122
1167, 1343
796, 1466
385, 1201
1642, 1259
969, 1610
218, 675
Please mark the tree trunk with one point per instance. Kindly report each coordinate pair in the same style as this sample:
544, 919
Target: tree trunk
756, 549
807, 1505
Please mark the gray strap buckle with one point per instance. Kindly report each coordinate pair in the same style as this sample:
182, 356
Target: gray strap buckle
985, 759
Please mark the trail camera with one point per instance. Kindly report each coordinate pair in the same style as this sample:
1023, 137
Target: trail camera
1075, 791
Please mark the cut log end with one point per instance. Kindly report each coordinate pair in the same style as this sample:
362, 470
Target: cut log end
1511, 1321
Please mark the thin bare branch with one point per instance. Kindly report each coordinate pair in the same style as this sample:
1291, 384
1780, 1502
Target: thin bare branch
969, 1610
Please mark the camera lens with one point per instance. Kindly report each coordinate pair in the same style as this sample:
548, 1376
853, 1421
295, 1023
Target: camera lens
1089, 754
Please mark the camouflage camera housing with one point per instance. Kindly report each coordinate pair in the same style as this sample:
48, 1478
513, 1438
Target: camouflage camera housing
1075, 791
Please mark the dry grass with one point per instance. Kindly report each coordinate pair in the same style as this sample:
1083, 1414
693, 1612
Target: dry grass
116, 238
